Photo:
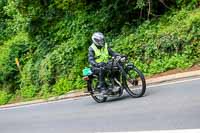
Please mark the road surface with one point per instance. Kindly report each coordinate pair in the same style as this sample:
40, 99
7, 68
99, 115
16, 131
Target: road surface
167, 106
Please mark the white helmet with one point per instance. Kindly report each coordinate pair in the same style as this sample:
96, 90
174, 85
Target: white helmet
98, 39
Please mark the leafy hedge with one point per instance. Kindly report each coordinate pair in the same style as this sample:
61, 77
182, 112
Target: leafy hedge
50, 38
171, 42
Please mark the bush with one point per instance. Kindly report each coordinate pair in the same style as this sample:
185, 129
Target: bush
45, 91
28, 92
51, 39
158, 46
4, 97
62, 86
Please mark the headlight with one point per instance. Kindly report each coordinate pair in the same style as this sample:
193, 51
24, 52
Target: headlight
123, 59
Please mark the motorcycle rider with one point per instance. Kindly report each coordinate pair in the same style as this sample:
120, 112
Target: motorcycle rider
98, 57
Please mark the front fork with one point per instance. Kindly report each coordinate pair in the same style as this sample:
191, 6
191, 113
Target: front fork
125, 71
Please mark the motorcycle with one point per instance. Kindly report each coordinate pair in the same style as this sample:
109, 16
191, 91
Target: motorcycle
123, 75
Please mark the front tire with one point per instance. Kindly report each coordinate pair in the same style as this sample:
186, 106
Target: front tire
94, 92
99, 100
135, 83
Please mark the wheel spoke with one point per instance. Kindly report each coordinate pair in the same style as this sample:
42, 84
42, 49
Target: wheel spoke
135, 85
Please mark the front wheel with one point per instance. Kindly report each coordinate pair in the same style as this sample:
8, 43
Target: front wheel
92, 84
135, 83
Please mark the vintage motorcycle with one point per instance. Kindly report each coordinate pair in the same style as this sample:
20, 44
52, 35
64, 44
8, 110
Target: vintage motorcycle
123, 75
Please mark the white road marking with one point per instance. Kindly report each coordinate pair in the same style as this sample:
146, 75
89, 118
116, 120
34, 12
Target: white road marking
63, 100
162, 131
173, 82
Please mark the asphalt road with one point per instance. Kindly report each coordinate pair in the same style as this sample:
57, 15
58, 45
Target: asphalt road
164, 107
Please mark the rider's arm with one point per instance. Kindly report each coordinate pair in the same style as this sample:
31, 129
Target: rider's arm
112, 53
91, 57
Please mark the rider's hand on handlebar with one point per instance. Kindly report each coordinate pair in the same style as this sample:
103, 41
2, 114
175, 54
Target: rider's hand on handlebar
121, 58
118, 57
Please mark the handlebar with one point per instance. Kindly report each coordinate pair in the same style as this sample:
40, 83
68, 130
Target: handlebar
115, 60
119, 58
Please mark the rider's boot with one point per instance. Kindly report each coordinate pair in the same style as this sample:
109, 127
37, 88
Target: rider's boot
102, 85
102, 88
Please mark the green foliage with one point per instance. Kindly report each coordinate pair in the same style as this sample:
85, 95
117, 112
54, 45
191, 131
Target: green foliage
4, 97
17, 47
45, 91
62, 86
157, 46
51, 38
187, 3
28, 92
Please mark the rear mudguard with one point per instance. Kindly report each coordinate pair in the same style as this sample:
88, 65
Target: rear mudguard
89, 86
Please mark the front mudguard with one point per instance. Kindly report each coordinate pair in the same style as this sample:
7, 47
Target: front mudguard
129, 66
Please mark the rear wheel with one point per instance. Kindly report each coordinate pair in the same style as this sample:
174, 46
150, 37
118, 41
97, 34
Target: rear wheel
95, 92
135, 83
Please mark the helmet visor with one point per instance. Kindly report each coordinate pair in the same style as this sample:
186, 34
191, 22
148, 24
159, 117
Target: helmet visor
100, 42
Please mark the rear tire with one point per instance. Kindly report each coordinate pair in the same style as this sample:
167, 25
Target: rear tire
135, 83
